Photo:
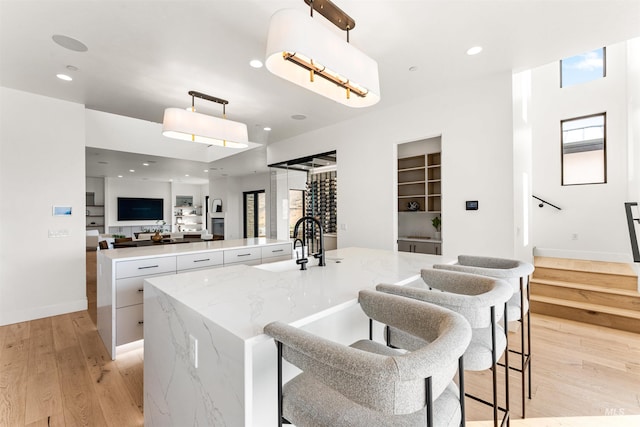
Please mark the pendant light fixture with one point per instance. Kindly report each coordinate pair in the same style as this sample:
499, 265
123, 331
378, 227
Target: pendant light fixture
307, 53
196, 127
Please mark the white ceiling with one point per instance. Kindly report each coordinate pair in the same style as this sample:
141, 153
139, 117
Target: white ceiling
145, 55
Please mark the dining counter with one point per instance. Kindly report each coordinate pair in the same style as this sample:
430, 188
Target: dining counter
207, 361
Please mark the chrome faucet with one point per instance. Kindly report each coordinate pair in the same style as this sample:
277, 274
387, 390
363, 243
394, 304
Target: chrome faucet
320, 254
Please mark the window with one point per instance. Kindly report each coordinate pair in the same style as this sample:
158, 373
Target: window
583, 68
584, 155
296, 208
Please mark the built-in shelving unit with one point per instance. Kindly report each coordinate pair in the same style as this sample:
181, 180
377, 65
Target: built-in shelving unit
95, 218
412, 190
434, 183
188, 218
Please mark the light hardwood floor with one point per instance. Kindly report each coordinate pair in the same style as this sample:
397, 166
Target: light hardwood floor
56, 372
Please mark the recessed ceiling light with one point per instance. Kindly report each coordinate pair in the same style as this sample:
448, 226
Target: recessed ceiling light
474, 50
104, 163
145, 164
64, 77
255, 63
267, 128
298, 117
119, 176
132, 170
413, 68
72, 68
70, 43
206, 170
186, 174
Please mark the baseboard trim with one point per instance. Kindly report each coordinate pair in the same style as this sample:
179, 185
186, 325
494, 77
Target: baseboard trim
24, 315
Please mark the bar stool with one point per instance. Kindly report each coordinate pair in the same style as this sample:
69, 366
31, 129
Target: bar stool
480, 300
367, 383
517, 273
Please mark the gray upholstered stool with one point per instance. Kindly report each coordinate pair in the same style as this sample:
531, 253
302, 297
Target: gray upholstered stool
517, 273
368, 383
482, 301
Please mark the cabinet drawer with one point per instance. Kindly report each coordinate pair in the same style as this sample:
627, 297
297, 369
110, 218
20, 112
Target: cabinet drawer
277, 258
145, 267
129, 324
129, 291
257, 261
276, 251
199, 260
242, 255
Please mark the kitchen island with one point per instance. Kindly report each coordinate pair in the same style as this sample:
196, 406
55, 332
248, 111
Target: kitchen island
206, 360
121, 273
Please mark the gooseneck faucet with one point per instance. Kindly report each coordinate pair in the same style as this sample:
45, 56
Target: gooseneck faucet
302, 261
320, 254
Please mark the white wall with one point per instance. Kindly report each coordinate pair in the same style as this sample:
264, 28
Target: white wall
122, 187
96, 186
229, 190
474, 120
41, 165
522, 166
592, 213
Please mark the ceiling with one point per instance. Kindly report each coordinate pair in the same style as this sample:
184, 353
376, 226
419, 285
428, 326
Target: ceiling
144, 56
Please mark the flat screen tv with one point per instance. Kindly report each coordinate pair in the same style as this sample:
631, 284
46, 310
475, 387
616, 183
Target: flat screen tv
140, 209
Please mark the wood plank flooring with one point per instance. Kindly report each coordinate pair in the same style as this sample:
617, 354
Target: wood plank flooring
56, 372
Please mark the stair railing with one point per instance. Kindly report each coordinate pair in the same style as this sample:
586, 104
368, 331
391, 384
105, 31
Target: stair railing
543, 202
633, 237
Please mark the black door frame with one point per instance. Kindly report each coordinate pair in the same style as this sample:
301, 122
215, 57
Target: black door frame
255, 211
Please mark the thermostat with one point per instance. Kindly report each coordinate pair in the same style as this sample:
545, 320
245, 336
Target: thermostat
472, 205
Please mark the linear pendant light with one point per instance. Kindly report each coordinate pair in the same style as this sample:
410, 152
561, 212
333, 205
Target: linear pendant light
188, 125
305, 52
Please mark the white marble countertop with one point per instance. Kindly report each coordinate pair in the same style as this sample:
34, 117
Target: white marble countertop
186, 248
243, 299
420, 239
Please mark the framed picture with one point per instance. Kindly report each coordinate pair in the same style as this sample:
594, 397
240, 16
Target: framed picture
62, 211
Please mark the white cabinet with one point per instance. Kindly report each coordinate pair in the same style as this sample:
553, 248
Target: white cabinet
129, 289
243, 256
146, 267
276, 253
121, 282
129, 324
200, 260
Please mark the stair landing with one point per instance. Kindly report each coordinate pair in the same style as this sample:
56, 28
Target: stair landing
596, 292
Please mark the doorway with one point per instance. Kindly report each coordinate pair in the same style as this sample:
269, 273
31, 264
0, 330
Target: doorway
255, 214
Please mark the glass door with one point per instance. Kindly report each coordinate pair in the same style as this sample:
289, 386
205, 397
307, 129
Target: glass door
255, 214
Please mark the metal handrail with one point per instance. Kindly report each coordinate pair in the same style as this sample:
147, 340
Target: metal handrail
632, 230
545, 202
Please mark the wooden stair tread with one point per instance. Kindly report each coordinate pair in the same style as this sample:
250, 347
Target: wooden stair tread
614, 268
586, 287
587, 306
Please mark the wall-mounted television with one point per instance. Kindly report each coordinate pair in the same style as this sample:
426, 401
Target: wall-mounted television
140, 209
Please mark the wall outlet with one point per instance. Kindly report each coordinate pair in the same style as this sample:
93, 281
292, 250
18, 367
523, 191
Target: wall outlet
193, 351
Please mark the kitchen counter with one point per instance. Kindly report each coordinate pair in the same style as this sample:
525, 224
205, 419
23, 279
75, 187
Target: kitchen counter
207, 361
185, 248
121, 273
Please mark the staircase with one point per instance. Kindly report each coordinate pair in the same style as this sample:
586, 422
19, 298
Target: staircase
600, 293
